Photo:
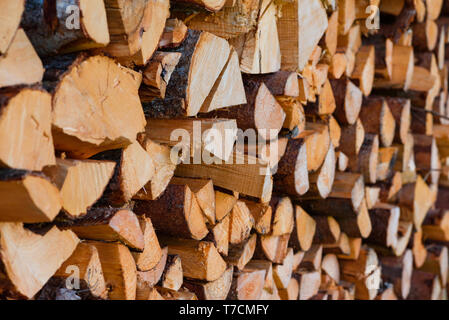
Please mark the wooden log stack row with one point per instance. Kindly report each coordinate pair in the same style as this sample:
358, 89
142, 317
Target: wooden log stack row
335, 188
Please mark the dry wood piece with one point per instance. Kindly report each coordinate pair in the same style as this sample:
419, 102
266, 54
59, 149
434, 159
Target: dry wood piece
327, 230
199, 139
425, 286
149, 278
239, 255
10, 20
29, 259
294, 113
107, 224
200, 260
52, 30
348, 100
400, 109
204, 193
281, 83
107, 116
359, 226
273, 248
133, 171
80, 182
425, 35
436, 225
292, 173
261, 112
27, 197
377, 118
364, 272
193, 79
119, 270
416, 200
262, 215
303, 231
219, 235
228, 89
151, 254
26, 113
385, 223
351, 139
354, 245
164, 168
367, 160
317, 145
312, 258
174, 33
241, 223
283, 216
135, 28
309, 283
321, 181
223, 203
247, 285
90, 276
437, 262
21, 64
398, 272
213, 290
172, 276
330, 266
364, 69
267, 266
156, 75
259, 49
342, 246
176, 213
301, 26
242, 173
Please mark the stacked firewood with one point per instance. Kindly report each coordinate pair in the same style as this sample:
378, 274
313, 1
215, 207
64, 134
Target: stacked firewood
212, 149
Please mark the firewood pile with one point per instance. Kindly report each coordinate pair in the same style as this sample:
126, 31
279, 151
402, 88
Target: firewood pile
224, 149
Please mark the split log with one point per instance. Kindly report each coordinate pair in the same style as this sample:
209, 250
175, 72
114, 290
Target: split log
80, 182
204, 194
134, 168
400, 109
135, 28
387, 160
119, 270
89, 275
197, 139
244, 174
172, 277
157, 74
262, 214
105, 119
200, 260
223, 203
152, 253
292, 173
12, 13
355, 245
219, 235
26, 113
273, 248
164, 169
425, 286
437, 262
301, 26
363, 72
348, 99
241, 223
107, 224
149, 278
213, 290
366, 162
196, 50
53, 29
20, 64
174, 34
29, 259
327, 230
27, 197
247, 285
398, 272
312, 258
309, 283
304, 230
282, 216
377, 119
239, 255
436, 225
351, 140
384, 222
179, 203
261, 112
321, 182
